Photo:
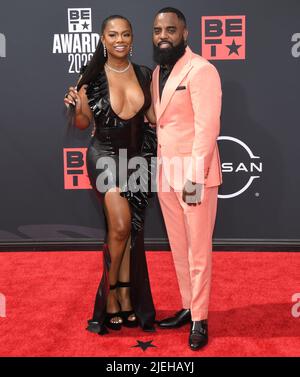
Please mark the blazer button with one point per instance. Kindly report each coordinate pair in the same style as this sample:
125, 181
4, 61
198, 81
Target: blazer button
161, 126
159, 145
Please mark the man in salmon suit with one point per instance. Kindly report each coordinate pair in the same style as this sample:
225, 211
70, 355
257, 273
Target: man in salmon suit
187, 102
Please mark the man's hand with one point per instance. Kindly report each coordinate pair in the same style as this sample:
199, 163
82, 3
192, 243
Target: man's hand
191, 193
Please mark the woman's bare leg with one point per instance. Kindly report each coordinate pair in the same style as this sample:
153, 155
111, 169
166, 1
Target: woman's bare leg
118, 217
124, 276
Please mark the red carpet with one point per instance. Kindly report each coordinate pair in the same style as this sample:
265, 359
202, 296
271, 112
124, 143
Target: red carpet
49, 297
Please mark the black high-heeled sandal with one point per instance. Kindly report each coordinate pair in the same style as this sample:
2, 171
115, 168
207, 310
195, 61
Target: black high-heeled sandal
125, 314
109, 316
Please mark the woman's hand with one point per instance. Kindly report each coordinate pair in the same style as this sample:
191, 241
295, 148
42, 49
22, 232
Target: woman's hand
73, 98
78, 99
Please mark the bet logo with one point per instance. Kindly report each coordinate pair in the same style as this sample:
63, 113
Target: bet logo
75, 172
80, 20
223, 37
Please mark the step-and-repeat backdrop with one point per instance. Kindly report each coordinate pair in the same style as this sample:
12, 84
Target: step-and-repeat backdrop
255, 45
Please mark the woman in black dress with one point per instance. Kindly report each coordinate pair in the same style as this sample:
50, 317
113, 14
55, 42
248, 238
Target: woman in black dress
114, 94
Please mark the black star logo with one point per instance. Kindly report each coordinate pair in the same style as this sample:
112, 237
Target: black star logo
85, 25
233, 48
143, 345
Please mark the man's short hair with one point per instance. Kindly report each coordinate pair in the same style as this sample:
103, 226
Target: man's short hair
179, 14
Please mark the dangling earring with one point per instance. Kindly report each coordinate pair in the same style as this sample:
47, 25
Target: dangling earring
104, 50
130, 51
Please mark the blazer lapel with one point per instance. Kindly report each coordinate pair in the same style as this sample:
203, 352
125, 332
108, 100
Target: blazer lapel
179, 71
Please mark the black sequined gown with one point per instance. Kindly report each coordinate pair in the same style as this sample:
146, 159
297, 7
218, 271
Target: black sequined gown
135, 138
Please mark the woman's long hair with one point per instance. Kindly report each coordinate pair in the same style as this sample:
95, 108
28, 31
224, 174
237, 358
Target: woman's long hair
96, 64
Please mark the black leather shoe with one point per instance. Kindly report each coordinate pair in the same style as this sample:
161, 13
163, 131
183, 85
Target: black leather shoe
198, 334
181, 318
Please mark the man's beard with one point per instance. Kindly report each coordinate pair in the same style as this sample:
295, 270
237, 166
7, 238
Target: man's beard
169, 55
